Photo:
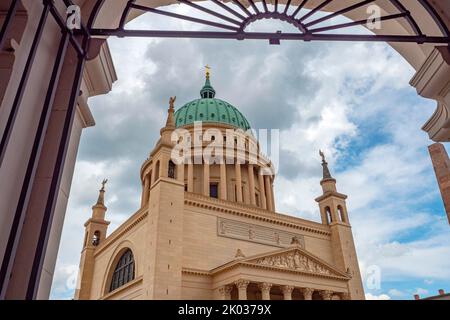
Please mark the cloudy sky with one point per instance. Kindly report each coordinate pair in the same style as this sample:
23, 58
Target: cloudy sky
352, 100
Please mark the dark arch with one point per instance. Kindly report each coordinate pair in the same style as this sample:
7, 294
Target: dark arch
328, 215
156, 174
124, 271
96, 238
341, 213
172, 170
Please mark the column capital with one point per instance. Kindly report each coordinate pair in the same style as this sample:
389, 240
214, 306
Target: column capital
287, 292
265, 286
326, 294
307, 293
225, 291
344, 296
242, 284
287, 289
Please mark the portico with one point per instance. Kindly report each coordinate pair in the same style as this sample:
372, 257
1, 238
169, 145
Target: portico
286, 274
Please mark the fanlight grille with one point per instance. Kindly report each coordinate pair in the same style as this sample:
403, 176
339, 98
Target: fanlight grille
321, 21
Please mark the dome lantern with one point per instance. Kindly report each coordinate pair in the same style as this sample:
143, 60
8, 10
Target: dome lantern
208, 91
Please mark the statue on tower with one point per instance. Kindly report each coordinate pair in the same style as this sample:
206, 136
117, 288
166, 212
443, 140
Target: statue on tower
104, 182
326, 171
172, 102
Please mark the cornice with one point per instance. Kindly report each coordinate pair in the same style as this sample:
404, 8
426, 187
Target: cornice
329, 194
255, 213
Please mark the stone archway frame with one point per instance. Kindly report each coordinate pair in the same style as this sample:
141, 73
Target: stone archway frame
114, 258
432, 81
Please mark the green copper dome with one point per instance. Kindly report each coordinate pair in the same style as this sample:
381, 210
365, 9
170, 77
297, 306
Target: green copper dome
209, 109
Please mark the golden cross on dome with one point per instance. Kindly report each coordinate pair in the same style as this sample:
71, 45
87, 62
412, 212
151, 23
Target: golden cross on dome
208, 71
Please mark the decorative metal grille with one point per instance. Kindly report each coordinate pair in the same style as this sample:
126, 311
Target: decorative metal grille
230, 20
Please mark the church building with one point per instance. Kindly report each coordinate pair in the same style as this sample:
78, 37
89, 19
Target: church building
210, 230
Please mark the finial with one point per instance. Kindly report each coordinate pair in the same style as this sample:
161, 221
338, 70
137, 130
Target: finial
208, 71
172, 103
101, 195
104, 182
322, 155
208, 91
296, 242
326, 171
239, 254
170, 123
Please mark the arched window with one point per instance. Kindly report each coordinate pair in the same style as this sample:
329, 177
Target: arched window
124, 271
172, 168
328, 215
156, 174
96, 238
342, 214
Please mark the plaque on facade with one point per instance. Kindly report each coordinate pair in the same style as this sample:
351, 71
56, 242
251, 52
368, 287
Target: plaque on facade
256, 233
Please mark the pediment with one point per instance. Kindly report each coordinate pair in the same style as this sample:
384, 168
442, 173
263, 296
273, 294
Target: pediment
295, 259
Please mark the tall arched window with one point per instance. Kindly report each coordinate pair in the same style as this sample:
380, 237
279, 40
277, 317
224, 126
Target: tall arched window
156, 171
124, 271
172, 168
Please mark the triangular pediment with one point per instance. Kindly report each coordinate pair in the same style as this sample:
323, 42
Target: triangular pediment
295, 259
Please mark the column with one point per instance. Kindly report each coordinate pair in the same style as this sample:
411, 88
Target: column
326, 294
272, 194
344, 296
262, 189
225, 292
206, 178
238, 181
145, 193
265, 290
251, 184
190, 176
268, 193
441, 165
307, 293
242, 288
223, 181
287, 292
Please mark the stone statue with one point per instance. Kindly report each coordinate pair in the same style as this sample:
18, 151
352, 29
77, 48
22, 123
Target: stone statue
172, 102
103, 184
322, 155
239, 254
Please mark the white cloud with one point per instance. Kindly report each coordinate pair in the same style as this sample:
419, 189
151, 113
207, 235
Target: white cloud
396, 293
370, 296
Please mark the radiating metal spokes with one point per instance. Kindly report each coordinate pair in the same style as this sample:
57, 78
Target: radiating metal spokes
231, 20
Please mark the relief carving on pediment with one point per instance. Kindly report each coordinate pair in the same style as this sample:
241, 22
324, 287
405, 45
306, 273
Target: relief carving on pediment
294, 261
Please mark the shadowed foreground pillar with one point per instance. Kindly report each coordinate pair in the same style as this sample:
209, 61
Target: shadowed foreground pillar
441, 165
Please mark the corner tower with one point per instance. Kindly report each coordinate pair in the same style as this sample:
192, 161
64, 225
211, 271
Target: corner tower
163, 192
333, 211
95, 232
